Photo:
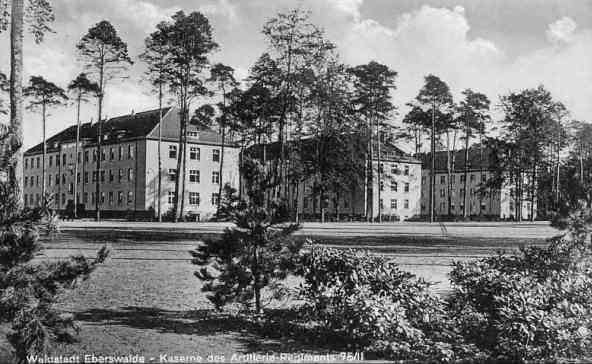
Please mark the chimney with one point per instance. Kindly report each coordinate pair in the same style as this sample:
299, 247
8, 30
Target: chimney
132, 113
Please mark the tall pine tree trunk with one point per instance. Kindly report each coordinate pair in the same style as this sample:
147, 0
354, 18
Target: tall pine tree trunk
379, 171
16, 98
160, 152
433, 162
43, 169
176, 211
78, 102
466, 172
99, 136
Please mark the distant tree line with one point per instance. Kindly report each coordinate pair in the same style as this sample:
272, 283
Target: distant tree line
299, 90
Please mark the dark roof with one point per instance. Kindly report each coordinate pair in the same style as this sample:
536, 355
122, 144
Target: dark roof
388, 152
478, 159
126, 127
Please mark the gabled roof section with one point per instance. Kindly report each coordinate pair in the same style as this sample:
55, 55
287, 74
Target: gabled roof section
130, 126
478, 159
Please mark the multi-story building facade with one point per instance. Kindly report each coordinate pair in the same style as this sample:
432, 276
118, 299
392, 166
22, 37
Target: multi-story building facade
482, 200
395, 197
128, 176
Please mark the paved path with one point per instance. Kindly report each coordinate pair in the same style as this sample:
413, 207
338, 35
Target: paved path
536, 230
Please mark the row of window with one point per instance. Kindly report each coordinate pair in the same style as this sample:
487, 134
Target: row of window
472, 178
194, 153
194, 198
121, 176
120, 153
394, 186
394, 204
32, 199
395, 169
194, 176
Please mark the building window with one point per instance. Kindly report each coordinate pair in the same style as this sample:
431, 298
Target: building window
194, 176
194, 153
406, 187
172, 151
102, 176
26, 163
394, 186
38, 162
111, 154
382, 185
37, 181
120, 153
48, 181
94, 155
120, 197
110, 197
78, 177
171, 197
442, 180
71, 188
483, 177
472, 178
215, 177
462, 178
381, 168
472, 191
120, 175
406, 204
395, 169
86, 156
393, 204
102, 198
423, 179
215, 199
462, 191
130, 174
130, 197
95, 175
27, 180
194, 198
50, 160
85, 197
85, 177
63, 198
57, 179
216, 155
130, 152
92, 198
172, 174
381, 203
64, 160
406, 170
103, 154
79, 157
442, 192
111, 176
63, 179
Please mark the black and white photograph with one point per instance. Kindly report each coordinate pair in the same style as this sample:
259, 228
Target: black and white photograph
295, 181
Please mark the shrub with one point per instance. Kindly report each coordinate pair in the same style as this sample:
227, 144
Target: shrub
533, 305
258, 253
376, 307
29, 290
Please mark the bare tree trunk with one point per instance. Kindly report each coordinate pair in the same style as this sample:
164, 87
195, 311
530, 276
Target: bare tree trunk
182, 174
176, 211
44, 154
160, 152
99, 132
466, 172
16, 98
433, 162
379, 173
79, 101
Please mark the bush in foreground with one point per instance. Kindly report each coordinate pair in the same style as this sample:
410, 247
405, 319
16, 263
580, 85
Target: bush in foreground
374, 306
28, 289
533, 305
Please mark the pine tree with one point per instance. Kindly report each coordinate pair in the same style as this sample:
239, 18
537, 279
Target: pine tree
259, 252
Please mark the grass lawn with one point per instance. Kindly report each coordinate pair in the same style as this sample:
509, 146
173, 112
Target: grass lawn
146, 300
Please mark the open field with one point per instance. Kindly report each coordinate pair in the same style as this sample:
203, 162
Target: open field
146, 300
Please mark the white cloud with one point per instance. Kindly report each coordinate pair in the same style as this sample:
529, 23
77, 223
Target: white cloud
349, 7
562, 30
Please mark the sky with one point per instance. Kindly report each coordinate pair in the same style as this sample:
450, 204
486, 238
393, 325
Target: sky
491, 46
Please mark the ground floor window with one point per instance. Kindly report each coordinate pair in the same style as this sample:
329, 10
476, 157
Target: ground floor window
194, 198
130, 197
171, 197
215, 199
